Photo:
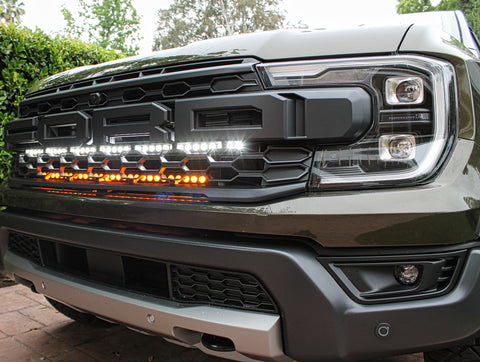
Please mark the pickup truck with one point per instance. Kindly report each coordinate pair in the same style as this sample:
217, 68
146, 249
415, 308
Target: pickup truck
277, 196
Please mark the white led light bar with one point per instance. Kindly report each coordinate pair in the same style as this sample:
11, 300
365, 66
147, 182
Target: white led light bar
56, 151
115, 150
34, 152
153, 148
199, 147
143, 148
81, 151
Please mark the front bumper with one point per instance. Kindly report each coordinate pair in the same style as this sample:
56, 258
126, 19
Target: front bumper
317, 319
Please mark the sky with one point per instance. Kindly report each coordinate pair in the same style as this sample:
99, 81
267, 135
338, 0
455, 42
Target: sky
46, 14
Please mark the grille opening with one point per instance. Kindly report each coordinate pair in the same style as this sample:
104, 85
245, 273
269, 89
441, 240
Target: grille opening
152, 164
175, 89
228, 118
136, 118
19, 130
197, 164
135, 94
146, 276
70, 259
44, 108
81, 164
61, 130
68, 104
249, 164
181, 283
129, 138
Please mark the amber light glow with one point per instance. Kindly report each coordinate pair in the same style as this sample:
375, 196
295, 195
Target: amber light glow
115, 178
133, 196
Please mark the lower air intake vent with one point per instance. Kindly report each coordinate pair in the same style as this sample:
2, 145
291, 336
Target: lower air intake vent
25, 246
219, 288
182, 283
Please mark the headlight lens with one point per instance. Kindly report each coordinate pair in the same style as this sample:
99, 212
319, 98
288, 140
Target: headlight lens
414, 118
404, 90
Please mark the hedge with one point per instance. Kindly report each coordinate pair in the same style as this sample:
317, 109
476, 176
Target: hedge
27, 56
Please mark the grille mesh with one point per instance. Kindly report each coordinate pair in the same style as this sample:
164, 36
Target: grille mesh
274, 166
219, 288
25, 246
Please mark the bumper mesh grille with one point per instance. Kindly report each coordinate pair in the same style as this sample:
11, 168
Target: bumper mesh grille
187, 283
219, 288
25, 246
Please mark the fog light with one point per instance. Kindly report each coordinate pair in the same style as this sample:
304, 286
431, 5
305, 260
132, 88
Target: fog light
404, 90
407, 274
397, 147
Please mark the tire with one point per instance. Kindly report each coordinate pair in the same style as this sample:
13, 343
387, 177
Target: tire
82, 318
469, 352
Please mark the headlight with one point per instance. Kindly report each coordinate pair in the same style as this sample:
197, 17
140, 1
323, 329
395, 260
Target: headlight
414, 117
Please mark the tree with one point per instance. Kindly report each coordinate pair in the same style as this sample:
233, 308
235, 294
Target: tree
471, 9
11, 10
190, 20
112, 24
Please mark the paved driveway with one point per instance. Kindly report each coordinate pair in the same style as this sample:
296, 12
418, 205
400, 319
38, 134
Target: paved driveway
30, 330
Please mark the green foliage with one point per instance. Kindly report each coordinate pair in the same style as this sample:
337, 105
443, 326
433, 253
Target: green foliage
112, 24
190, 20
11, 10
471, 9
27, 56
414, 6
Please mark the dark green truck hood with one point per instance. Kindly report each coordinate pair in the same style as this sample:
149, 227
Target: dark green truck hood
271, 45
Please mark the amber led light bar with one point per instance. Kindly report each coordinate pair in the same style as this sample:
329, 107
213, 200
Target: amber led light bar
115, 178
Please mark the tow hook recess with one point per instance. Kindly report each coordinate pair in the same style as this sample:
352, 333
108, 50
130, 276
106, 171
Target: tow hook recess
217, 343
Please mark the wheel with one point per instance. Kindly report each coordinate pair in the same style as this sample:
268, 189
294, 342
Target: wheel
469, 352
83, 318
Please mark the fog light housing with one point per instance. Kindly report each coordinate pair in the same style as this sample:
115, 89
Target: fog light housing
404, 90
397, 147
407, 274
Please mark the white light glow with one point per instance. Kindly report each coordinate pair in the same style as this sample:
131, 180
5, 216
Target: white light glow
83, 150
235, 145
115, 150
153, 148
199, 146
55, 151
34, 152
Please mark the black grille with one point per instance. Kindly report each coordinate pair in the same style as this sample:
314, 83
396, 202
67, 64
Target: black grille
151, 108
219, 288
153, 85
274, 166
25, 246
182, 283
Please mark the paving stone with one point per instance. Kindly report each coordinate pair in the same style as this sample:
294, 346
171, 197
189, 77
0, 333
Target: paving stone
3, 335
13, 323
44, 314
78, 334
127, 345
39, 298
194, 355
72, 356
43, 343
12, 301
13, 351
